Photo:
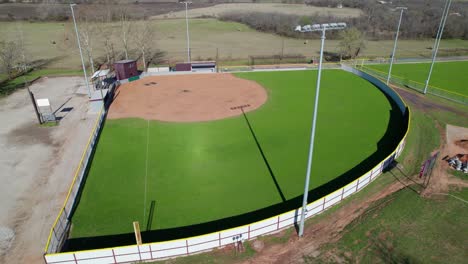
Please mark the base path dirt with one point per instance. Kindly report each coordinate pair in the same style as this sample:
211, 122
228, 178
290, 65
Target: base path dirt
187, 98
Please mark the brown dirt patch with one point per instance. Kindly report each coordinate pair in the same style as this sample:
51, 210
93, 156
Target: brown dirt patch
463, 144
187, 98
322, 232
441, 181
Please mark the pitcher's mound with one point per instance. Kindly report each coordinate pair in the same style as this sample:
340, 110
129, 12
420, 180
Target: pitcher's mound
187, 98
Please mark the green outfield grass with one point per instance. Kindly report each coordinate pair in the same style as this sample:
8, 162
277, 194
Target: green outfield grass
205, 171
450, 76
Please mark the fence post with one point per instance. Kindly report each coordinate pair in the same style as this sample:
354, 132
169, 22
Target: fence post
74, 257
113, 255
248, 235
186, 244
139, 252
151, 251
277, 225
219, 238
342, 194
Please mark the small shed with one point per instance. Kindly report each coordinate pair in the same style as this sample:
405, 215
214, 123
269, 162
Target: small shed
125, 69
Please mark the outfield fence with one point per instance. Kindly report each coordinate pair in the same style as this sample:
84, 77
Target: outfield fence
192, 245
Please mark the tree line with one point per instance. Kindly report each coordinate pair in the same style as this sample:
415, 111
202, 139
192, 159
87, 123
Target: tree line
378, 21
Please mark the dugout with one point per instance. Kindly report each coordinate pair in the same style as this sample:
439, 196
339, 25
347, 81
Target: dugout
197, 66
125, 69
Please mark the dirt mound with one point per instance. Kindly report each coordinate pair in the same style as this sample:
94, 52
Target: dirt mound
187, 98
462, 143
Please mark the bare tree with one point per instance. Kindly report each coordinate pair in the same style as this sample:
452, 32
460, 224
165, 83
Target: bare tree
87, 31
8, 57
352, 42
23, 59
144, 39
125, 31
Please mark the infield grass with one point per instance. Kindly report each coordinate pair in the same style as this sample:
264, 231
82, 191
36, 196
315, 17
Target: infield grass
205, 171
450, 76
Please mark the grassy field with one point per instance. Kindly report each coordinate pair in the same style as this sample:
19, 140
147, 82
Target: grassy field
199, 172
231, 40
450, 76
299, 9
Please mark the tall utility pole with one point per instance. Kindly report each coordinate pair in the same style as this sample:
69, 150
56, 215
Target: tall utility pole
308, 28
395, 45
81, 53
440, 32
187, 27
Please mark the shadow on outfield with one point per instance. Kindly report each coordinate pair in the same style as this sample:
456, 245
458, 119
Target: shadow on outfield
395, 131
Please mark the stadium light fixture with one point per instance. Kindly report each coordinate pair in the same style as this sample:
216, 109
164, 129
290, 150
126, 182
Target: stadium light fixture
81, 53
395, 45
305, 29
440, 31
187, 27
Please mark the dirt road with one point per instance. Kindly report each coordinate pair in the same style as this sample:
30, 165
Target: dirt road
37, 164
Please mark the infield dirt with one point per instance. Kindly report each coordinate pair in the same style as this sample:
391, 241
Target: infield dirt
186, 98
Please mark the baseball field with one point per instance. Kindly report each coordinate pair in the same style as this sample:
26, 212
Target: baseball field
219, 161
449, 76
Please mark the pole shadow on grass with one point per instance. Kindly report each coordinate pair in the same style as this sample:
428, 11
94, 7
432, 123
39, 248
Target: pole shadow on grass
278, 188
396, 129
150, 216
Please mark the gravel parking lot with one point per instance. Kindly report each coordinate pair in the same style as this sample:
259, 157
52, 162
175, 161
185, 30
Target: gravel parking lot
37, 164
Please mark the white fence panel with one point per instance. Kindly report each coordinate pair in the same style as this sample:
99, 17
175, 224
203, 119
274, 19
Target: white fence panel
288, 218
127, 258
363, 182
61, 257
228, 235
93, 254
349, 191
333, 198
333, 195
264, 227
350, 186
126, 250
146, 256
203, 239
288, 215
97, 261
169, 252
169, 244
314, 208
204, 246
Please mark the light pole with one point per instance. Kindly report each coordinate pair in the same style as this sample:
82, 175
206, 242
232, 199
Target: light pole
187, 26
395, 45
311, 28
81, 53
435, 49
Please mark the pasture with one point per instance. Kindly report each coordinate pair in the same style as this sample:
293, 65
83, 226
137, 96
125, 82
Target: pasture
55, 44
296, 9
